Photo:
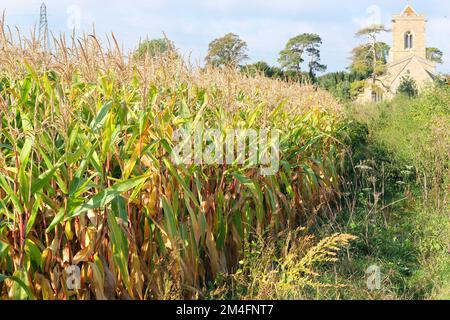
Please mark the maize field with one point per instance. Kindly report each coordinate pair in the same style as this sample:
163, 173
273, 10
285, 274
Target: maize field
87, 180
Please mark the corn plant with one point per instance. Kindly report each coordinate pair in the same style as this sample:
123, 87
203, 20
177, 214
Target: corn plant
86, 176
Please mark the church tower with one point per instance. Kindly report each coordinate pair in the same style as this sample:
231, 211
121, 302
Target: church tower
408, 30
408, 58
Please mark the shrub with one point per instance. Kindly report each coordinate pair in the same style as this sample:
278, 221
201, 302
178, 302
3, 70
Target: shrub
357, 87
408, 87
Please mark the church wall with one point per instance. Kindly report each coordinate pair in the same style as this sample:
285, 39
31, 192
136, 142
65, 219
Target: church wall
417, 71
401, 25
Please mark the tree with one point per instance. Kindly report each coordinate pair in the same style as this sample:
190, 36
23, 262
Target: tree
372, 33
362, 59
408, 87
435, 55
229, 50
292, 56
314, 61
257, 67
154, 47
342, 85
274, 72
264, 68
342, 91
357, 87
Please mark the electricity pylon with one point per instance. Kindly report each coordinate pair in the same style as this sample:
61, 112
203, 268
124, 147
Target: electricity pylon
43, 27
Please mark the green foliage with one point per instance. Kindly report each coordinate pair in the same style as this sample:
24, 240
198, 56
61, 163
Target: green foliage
343, 91
400, 214
371, 31
357, 87
229, 50
373, 50
408, 87
86, 178
447, 79
367, 60
362, 60
435, 55
339, 84
154, 47
293, 55
262, 67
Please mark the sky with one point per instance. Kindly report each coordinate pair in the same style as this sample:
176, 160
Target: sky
266, 25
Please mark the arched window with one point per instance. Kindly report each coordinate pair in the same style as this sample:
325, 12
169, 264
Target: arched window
408, 40
377, 96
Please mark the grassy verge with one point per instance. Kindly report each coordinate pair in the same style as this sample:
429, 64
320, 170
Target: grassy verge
400, 210
409, 145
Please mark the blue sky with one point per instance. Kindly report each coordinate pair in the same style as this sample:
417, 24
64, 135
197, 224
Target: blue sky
266, 25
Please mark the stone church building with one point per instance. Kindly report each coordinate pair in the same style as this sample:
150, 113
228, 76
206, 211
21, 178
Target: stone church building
408, 57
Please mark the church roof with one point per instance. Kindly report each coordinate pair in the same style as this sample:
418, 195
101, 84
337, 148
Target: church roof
424, 61
409, 11
412, 61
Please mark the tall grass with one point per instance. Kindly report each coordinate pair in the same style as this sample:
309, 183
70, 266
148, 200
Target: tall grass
86, 176
416, 132
400, 209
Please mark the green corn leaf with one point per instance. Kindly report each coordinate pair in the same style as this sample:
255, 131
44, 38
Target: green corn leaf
56, 220
10, 192
120, 248
180, 180
34, 212
43, 179
169, 220
100, 119
33, 251
106, 196
19, 282
4, 247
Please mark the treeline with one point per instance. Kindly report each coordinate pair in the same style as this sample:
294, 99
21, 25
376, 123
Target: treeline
300, 61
